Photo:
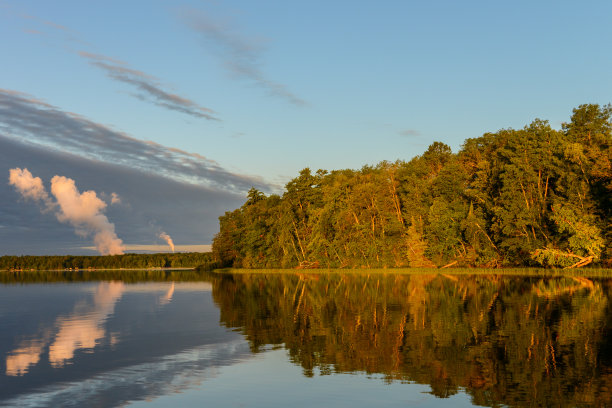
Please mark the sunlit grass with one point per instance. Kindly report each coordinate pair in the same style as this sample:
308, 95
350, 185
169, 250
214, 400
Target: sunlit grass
590, 272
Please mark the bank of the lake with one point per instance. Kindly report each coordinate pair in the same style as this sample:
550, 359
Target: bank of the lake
535, 272
207, 271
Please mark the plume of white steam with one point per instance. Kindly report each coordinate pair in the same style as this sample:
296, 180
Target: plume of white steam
168, 240
82, 211
29, 187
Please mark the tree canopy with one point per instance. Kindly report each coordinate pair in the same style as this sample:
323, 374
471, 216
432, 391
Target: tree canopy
533, 196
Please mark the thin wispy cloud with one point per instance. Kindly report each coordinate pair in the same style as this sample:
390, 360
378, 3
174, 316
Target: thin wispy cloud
150, 90
104, 58
36, 20
56, 26
46, 22
410, 133
240, 56
44, 28
30, 120
31, 31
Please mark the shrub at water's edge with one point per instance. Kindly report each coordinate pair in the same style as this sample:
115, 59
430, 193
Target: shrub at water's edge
529, 197
536, 272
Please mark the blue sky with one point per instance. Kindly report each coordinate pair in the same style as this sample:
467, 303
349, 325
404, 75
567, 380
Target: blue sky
260, 90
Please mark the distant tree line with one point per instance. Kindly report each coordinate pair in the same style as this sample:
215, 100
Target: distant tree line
534, 196
140, 261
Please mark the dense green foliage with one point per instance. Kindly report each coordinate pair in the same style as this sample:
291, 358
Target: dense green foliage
133, 261
505, 341
535, 196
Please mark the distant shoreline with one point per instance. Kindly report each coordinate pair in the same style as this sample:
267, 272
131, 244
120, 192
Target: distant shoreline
125, 262
102, 269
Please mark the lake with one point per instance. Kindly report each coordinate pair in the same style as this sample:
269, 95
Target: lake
180, 338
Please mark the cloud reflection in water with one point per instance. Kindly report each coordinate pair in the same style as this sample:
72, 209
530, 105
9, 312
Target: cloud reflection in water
120, 342
19, 360
83, 329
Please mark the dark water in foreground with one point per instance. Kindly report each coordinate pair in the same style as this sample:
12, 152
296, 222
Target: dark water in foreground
250, 340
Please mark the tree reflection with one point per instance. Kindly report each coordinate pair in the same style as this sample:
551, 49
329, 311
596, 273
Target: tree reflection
504, 340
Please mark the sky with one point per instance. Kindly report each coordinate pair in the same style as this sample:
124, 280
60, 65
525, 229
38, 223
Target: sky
179, 107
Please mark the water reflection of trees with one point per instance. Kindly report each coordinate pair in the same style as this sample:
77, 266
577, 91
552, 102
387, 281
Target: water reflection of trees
126, 276
508, 340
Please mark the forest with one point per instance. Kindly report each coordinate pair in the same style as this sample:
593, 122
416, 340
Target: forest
530, 197
129, 261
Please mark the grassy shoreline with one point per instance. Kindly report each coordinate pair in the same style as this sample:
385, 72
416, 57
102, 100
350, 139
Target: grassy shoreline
591, 272
607, 272
177, 268
184, 272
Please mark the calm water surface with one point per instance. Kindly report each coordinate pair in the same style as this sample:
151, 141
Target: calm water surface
252, 340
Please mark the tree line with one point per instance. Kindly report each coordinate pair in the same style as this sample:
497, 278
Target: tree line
132, 261
529, 197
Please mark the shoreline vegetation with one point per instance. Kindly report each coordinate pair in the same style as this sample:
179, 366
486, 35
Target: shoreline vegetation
203, 274
159, 261
214, 267
527, 272
102, 269
534, 197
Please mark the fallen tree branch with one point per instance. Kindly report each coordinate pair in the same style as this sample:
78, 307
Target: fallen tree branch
448, 265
